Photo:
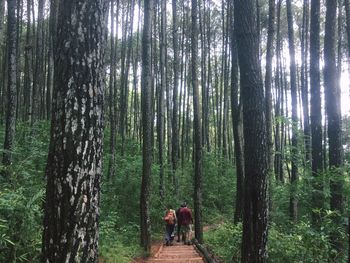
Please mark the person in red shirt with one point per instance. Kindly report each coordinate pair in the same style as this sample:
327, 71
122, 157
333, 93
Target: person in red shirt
178, 225
185, 219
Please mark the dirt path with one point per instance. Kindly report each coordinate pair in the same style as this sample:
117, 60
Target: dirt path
178, 253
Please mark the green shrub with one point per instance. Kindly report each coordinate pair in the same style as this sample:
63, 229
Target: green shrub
21, 220
225, 241
301, 243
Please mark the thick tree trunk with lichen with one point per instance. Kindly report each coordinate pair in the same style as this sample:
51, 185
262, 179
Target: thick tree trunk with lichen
255, 142
74, 166
11, 105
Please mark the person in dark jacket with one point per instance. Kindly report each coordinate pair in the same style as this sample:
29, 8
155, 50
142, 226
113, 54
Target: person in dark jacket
186, 223
178, 227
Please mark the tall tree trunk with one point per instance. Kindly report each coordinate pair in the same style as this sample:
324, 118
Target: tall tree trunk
74, 165
207, 108
304, 81
49, 80
160, 104
268, 94
347, 12
203, 71
28, 53
316, 114
127, 70
225, 84
39, 79
198, 162
2, 56
123, 77
18, 50
10, 122
135, 82
175, 128
293, 205
333, 107
279, 103
147, 122
268, 81
112, 93
255, 142
236, 123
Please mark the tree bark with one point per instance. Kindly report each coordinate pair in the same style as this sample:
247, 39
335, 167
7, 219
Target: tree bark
333, 108
347, 12
38, 81
10, 122
160, 104
112, 93
198, 162
268, 81
237, 124
293, 204
2, 55
316, 114
305, 82
74, 165
28, 53
147, 122
255, 145
268, 94
175, 128
279, 130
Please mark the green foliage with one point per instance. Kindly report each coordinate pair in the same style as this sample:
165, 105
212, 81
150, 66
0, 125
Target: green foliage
225, 241
219, 187
21, 196
300, 244
118, 244
295, 243
20, 232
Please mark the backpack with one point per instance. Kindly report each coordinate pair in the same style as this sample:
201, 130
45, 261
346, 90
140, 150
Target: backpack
170, 218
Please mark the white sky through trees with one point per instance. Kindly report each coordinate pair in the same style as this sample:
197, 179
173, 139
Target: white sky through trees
345, 76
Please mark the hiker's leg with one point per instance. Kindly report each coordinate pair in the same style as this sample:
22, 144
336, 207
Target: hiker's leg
184, 233
167, 234
178, 232
172, 232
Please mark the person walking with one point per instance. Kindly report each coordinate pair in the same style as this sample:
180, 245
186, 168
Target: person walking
170, 220
185, 214
178, 225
